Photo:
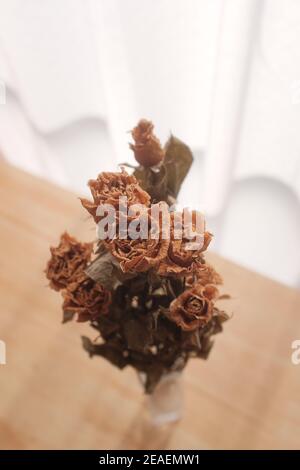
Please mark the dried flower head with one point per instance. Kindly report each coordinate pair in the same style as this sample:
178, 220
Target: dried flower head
67, 259
108, 188
147, 148
144, 252
193, 309
184, 256
86, 298
204, 274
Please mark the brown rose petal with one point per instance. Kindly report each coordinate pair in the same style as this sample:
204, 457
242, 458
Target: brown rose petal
86, 298
204, 274
109, 187
193, 308
140, 255
180, 260
67, 259
147, 148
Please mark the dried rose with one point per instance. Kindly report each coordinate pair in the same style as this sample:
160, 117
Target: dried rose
109, 187
145, 251
147, 148
86, 298
67, 259
184, 254
193, 309
205, 274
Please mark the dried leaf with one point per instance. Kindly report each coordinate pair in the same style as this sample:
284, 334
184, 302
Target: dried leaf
101, 269
137, 334
67, 316
224, 297
163, 183
154, 182
178, 161
113, 352
107, 326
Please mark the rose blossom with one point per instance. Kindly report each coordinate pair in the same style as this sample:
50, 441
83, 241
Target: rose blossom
194, 307
147, 148
67, 259
183, 259
109, 187
87, 298
144, 252
205, 274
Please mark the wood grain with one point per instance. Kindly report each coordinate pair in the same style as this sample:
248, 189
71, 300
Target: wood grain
52, 396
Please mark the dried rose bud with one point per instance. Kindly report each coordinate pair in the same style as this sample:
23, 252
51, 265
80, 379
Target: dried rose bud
86, 298
67, 259
109, 187
193, 309
147, 148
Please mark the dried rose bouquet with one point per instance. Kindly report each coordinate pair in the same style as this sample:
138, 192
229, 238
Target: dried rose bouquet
144, 285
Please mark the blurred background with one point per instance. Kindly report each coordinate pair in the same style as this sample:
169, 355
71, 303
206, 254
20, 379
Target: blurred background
222, 75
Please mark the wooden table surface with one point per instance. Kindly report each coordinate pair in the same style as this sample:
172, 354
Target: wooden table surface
53, 396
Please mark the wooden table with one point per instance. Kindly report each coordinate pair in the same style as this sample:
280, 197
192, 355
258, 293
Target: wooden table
247, 395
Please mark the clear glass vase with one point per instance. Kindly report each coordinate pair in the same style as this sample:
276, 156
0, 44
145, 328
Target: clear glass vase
165, 404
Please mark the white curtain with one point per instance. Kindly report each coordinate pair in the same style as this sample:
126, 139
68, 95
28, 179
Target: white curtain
223, 75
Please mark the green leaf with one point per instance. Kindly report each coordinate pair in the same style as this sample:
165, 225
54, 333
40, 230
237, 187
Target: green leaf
178, 160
